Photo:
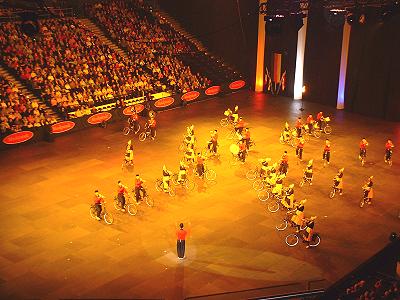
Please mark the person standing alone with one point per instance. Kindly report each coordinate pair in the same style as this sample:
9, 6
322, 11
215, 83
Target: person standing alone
180, 241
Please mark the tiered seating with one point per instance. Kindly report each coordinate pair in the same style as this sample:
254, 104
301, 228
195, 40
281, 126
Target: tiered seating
373, 288
149, 38
71, 68
17, 111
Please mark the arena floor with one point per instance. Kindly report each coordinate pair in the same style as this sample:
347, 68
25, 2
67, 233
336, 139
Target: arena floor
52, 248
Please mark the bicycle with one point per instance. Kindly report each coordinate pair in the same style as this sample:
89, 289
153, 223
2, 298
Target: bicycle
261, 184
325, 127
146, 133
160, 187
108, 217
305, 180
334, 191
126, 164
274, 206
149, 201
253, 173
209, 174
131, 208
288, 139
288, 220
185, 182
226, 121
231, 134
131, 128
293, 239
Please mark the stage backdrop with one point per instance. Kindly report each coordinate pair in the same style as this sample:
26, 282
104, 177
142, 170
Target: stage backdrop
217, 24
373, 82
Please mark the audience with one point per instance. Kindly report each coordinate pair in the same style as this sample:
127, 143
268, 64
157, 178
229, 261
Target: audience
17, 111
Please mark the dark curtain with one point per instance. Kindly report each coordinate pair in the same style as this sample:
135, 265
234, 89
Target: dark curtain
217, 25
372, 83
322, 56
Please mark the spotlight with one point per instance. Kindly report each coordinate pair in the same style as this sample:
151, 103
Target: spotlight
393, 236
350, 18
304, 89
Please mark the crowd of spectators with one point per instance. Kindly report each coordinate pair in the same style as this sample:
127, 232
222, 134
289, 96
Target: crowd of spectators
133, 26
373, 289
71, 67
17, 111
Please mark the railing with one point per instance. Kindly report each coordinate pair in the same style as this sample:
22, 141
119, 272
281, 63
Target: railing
283, 291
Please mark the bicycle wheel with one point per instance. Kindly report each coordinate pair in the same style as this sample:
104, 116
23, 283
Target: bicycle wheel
328, 129
211, 175
93, 212
301, 183
282, 226
263, 195
149, 201
116, 204
132, 209
137, 128
224, 122
190, 185
317, 133
251, 174
258, 184
292, 240
142, 136
108, 218
315, 240
126, 130
159, 187
230, 135
332, 193
174, 179
273, 206
282, 141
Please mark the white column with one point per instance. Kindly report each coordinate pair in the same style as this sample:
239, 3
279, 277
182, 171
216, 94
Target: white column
298, 75
343, 65
259, 86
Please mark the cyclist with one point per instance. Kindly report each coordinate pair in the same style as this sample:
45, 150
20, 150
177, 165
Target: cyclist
320, 118
299, 148
308, 171
129, 154
309, 231
139, 188
190, 138
288, 201
286, 132
368, 190
121, 191
388, 150
327, 151
189, 153
166, 179
213, 143
133, 119
299, 125
284, 164
298, 216
264, 167
235, 114
338, 181
200, 164
182, 171
363, 150
98, 200
239, 126
310, 123
277, 190
153, 126
242, 150
247, 137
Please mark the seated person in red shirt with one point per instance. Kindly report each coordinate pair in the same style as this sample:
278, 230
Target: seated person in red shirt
122, 190
239, 125
200, 164
139, 188
242, 150
98, 200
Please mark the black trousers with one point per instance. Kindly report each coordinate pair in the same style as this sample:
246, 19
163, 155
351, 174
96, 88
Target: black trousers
121, 199
98, 209
326, 155
153, 132
388, 154
299, 152
137, 193
180, 248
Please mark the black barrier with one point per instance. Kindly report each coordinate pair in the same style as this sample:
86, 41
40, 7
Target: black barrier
44, 132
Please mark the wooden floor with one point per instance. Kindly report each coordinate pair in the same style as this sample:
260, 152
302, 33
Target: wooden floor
51, 247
